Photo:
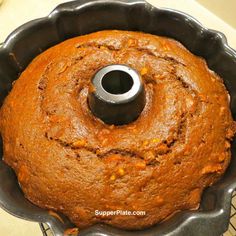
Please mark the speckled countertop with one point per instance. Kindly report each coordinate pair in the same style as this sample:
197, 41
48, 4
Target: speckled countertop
13, 13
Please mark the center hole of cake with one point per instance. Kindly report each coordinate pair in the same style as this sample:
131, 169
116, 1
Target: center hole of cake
117, 82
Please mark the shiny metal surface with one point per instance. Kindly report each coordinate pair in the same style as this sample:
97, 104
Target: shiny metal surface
118, 97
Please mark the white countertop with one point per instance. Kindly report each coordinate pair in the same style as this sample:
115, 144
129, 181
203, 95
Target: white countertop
13, 13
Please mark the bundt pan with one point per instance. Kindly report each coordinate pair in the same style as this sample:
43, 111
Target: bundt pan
82, 17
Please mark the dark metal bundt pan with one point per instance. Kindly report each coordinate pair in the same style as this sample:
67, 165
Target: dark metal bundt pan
82, 17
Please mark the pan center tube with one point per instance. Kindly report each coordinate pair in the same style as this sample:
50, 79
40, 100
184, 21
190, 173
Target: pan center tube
118, 95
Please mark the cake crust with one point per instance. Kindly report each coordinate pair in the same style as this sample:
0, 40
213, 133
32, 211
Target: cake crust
69, 161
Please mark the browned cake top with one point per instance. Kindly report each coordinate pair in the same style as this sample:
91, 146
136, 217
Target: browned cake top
68, 160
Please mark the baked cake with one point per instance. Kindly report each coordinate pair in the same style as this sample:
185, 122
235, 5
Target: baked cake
67, 160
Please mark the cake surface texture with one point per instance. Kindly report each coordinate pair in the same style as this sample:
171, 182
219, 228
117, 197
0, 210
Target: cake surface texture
69, 161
